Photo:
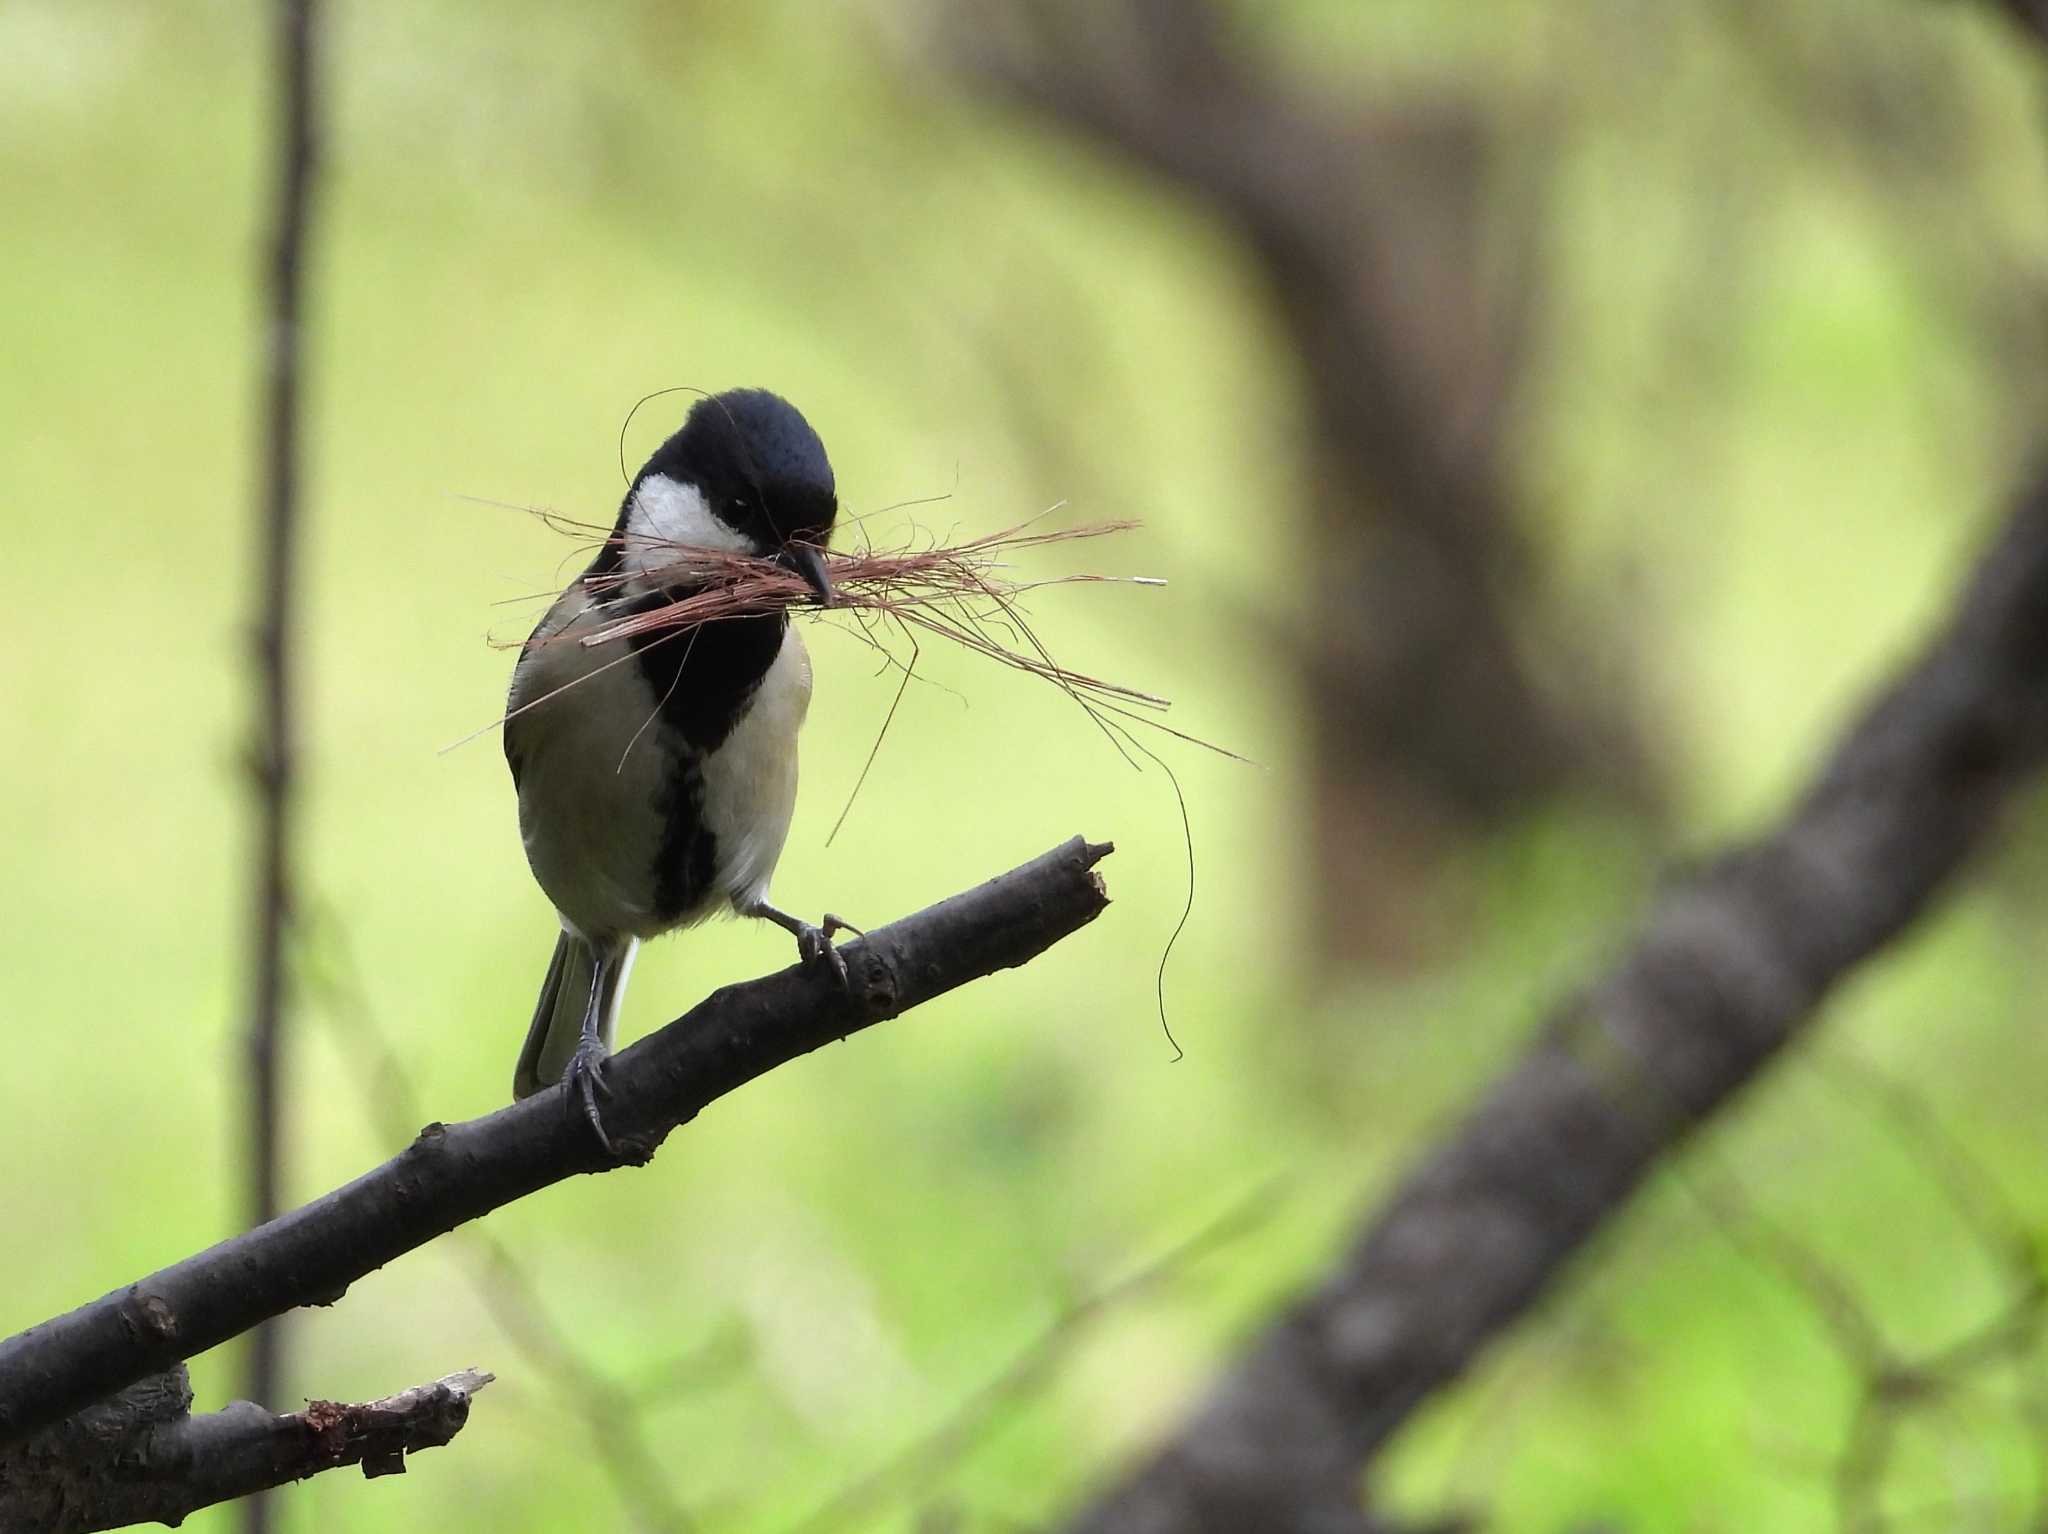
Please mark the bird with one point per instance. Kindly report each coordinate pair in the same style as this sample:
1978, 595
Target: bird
657, 774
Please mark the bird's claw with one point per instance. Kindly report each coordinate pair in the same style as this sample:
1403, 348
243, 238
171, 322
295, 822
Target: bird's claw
586, 1084
814, 944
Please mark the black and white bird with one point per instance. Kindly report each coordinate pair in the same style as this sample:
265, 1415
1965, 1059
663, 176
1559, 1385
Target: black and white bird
657, 775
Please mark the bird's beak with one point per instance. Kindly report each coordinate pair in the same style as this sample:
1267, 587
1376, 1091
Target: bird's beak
808, 560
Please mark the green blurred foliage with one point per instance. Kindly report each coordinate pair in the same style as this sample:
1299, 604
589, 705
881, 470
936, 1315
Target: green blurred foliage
1767, 430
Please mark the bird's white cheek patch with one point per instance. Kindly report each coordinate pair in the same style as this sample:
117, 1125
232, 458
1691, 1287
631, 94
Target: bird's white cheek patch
666, 512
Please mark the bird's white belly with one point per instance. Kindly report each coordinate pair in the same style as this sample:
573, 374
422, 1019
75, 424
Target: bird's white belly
750, 780
597, 776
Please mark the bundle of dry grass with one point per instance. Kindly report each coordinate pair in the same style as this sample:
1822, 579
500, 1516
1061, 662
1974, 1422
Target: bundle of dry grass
966, 593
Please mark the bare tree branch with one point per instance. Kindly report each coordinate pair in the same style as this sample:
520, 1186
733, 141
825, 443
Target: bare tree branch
456, 1172
279, 353
1730, 965
141, 1457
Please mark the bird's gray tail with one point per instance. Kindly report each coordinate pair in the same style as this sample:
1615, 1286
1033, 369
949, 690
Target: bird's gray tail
557, 1025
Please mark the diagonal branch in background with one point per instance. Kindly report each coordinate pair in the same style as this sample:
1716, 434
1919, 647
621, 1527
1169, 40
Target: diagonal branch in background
141, 1457
455, 1172
1728, 968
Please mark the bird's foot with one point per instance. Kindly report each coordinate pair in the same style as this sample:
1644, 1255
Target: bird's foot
585, 1082
814, 944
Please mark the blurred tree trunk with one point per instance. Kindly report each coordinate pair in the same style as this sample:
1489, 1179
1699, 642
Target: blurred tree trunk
1407, 301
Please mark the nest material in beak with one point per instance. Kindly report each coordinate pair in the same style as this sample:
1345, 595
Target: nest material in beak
808, 560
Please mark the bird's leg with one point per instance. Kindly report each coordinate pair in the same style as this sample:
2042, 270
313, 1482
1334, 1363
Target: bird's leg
812, 943
584, 1077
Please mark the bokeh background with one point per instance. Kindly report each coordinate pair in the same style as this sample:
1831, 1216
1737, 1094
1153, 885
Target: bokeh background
1742, 305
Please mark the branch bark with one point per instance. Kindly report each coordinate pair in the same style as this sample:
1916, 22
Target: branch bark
141, 1457
1728, 968
455, 1172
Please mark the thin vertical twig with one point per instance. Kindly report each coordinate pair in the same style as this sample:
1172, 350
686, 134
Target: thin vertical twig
280, 342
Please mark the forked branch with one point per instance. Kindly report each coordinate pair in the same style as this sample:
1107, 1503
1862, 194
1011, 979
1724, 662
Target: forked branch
455, 1172
142, 1457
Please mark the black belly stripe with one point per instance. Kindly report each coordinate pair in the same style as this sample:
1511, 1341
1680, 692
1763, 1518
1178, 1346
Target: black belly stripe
706, 676
688, 853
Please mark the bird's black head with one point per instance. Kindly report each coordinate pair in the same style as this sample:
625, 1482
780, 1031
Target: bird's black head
746, 474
